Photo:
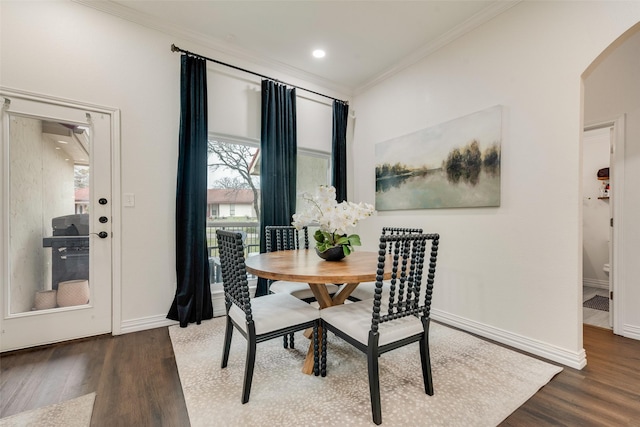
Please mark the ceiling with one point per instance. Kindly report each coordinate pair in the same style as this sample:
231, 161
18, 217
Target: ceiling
70, 139
365, 41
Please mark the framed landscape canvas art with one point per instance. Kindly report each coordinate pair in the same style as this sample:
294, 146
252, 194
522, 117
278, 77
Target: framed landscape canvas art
455, 164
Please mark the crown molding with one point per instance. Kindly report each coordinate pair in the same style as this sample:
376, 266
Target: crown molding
223, 47
482, 17
255, 58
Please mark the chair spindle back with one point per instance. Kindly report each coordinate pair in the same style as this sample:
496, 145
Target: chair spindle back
234, 273
406, 296
284, 238
393, 231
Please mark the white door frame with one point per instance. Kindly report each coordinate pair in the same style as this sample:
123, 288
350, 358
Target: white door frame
115, 196
616, 176
616, 180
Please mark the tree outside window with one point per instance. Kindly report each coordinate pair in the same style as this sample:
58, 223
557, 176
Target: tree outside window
231, 168
233, 195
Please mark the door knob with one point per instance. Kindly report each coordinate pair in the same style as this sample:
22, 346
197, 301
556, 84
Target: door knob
103, 219
102, 201
103, 234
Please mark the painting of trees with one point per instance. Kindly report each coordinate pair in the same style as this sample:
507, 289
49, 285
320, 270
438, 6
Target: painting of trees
465, 164
448, 165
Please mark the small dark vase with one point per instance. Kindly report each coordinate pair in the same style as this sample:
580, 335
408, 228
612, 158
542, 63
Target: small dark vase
335, 253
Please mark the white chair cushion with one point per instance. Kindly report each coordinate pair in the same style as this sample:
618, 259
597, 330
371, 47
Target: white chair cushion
275, 311
365, 290
297, 289
355, 320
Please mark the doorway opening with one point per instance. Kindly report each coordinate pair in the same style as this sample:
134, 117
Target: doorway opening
596, 214
612, 94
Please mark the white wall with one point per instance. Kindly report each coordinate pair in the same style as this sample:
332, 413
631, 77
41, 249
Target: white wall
71, 51
612, 89
513, 273
595, 210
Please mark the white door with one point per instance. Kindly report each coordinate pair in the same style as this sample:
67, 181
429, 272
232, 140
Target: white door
56, 266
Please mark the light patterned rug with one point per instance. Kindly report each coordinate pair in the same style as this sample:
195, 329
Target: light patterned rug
71, 413
476, 383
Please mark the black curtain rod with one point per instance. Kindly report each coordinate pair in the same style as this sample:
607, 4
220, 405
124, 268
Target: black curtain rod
175, 48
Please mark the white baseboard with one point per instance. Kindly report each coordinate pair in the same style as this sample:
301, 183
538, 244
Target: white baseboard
160, 320
576, 360
144, 323
595, 283
572, 359
631, 331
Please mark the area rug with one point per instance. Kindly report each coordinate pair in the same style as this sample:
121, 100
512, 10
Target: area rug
71, 413
598, 302
476, 383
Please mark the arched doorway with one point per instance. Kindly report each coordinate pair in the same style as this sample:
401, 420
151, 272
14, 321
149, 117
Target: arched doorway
612, 98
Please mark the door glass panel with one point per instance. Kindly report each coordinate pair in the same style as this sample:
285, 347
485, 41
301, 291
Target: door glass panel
48, 214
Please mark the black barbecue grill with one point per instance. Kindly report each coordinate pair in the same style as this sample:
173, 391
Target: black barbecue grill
69, 248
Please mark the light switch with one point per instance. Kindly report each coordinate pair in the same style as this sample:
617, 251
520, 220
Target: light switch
128, 200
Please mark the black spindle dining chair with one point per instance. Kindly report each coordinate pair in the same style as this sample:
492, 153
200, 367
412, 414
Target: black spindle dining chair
284, 238
394, 318
258, 319
366, 290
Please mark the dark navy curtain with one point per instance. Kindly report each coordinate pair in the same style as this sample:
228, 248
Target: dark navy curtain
192, 302
278, 150
339, 170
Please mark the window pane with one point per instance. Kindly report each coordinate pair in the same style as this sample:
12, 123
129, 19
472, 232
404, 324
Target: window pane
234, 184
233, 196
313, 171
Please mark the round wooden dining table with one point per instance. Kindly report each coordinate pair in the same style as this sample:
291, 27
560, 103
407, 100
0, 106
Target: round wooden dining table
306, 266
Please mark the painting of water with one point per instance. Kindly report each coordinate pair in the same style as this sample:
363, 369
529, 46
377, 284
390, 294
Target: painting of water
451, 165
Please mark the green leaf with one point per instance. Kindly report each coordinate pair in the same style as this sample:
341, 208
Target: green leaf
342, 240
354, 240
319, 236
346, 249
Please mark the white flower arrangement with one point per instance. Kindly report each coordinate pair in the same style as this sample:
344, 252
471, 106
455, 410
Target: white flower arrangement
334, 219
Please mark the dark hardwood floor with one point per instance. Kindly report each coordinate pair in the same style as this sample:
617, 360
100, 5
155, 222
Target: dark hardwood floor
134, 376
136, 382
605, 393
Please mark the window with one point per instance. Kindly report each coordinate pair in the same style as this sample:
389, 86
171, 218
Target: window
234, 180
313, 170
234, 176
233, 188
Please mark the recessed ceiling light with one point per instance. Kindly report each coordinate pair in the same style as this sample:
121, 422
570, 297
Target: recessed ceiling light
62, 142
319, 53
